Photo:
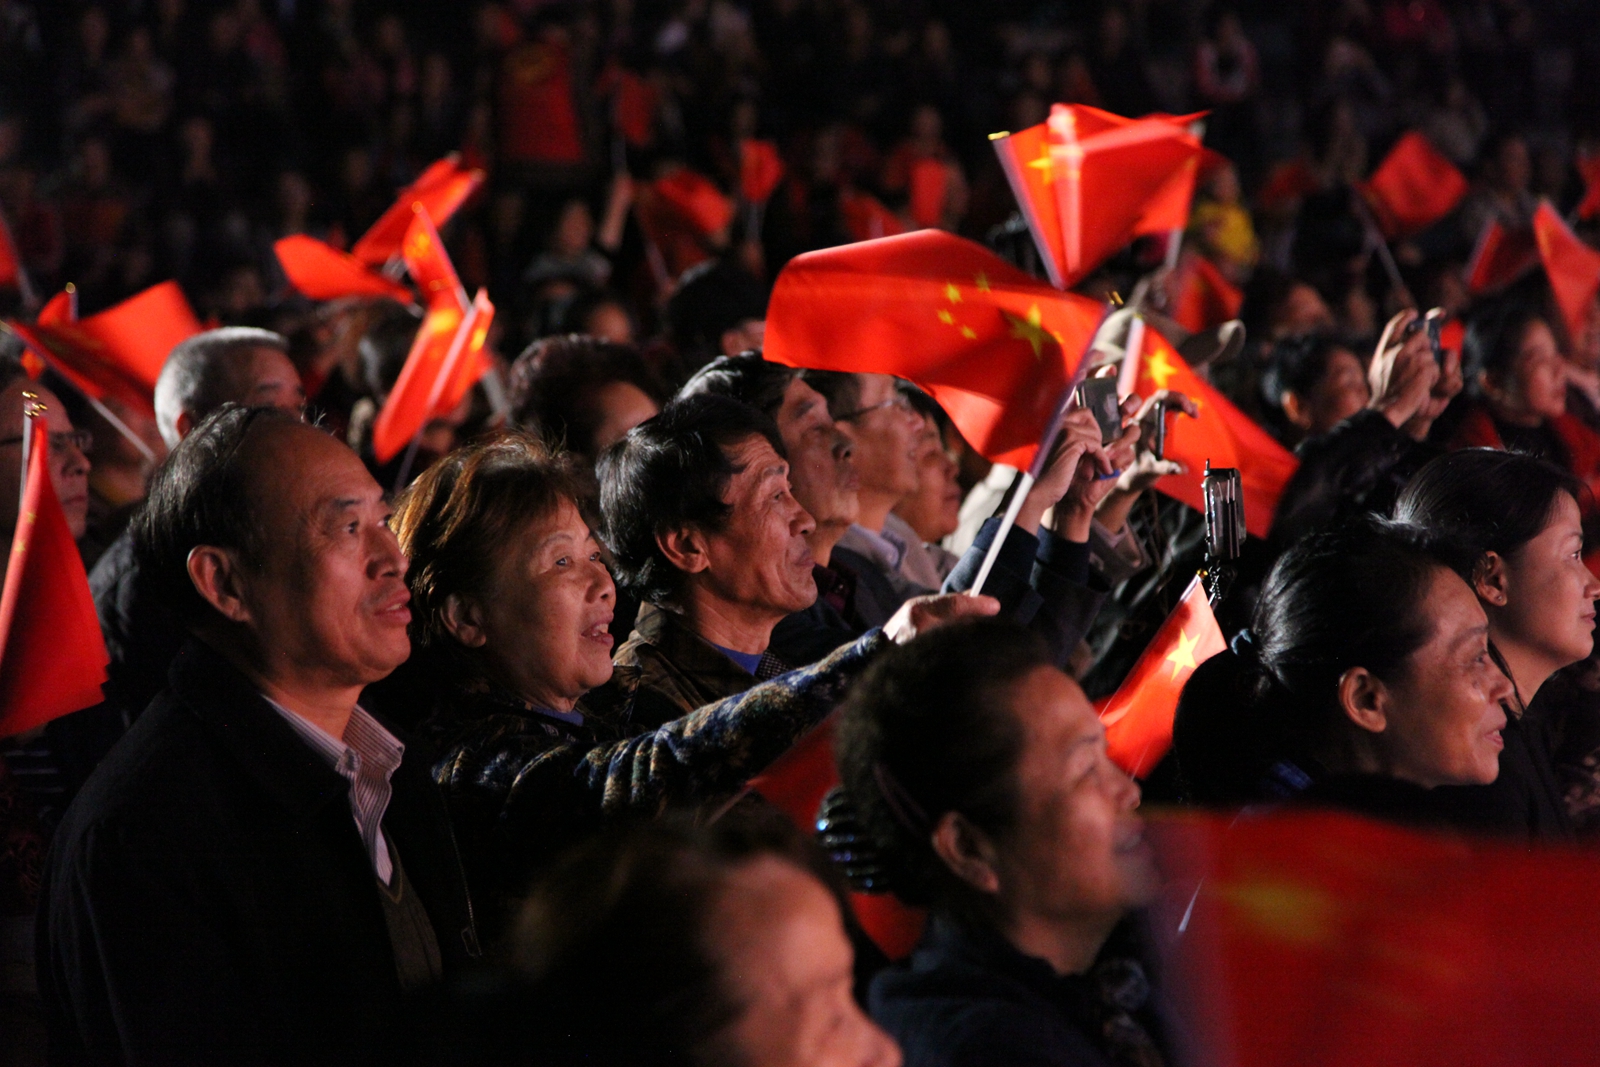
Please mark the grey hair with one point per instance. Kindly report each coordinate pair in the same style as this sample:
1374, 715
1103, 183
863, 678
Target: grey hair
200, 376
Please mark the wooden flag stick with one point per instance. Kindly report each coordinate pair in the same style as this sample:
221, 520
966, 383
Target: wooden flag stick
1385, 256
31, 409
122, 428
447, 370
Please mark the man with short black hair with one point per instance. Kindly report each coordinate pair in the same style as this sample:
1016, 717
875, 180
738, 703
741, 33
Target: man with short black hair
260, 870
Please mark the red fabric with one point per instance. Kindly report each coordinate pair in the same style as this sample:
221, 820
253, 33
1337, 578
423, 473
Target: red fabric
929, 180
1414, 187
866, 218
894, 926
993, 345
696, 200
1572, 267
1286, 183
1205, 298
1221, 433
441, 190
52, 657
322, 272
1500, 258
1138, 716
10, 260
633, 106
1589, 168
1321, 938
1089, 182
797, 781
760, 170
538, 122
429, 264
1477, 430
119, 351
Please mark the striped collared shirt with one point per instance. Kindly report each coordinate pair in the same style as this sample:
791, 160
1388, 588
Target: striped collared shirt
366, 757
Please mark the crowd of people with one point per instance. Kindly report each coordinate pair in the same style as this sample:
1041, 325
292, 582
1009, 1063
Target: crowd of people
448, 759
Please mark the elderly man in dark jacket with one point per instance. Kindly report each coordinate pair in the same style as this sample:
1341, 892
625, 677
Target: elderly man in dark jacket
260, 870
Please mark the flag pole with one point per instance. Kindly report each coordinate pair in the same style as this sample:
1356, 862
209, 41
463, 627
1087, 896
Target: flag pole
31, 409
446, 373
1376, 241
1025, 479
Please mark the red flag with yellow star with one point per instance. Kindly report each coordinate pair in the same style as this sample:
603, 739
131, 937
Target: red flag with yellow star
1414, 187
1088, 182
993, 345
445, 360
52, 656
1500, 257
1204, 297
1138, 716
1572, 267
1220, 433
440, 190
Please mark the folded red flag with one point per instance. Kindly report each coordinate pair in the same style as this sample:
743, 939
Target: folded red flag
322, 272
1305, 937
1138, 716
930, 179
1589, 168
1204, 297
1088, 182
1221, 433
429, 264
865, 217
116, 352
1572, 267
441, 190
1501, 257
693, 196
760, 170
1414, 187
445, 360
994, 346
52, 656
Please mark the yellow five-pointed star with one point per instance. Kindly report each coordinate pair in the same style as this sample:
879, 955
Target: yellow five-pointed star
945, 317
951, 293
1030, 329
981, 280
1043, 163
1159, 369
1182, 657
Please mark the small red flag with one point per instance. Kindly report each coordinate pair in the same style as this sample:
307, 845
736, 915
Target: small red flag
930, 179
696, 200
440, 190
1138, 716
1204, 297
10, 260
429, 264
322, 272
866, 218
1589, 168
1221, 433
52, 656
633, 106
445, 360
1088, 182
117, 352
994, 346
1501, 257
1572, 267
1414, 187
760, 170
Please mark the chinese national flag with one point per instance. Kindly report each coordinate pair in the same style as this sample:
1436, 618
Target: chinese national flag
1501, 257
1572, 267
1138, 716
992, 345
1221, 433
1204, 298
440, 190
429, 264
445, 360
929, 180
760, 170
322, 272
1414, 187
866, 218
10, 261
119, 351
52, 657
696, 200
1088, 182
1316, 937
1589, 168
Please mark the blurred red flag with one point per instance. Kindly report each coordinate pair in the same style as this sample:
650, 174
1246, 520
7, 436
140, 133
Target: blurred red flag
1414, 187
633, 105
10, 260
1222, 434
445, 360
1286, 183
1501, 257
866, 218
322, 272
994, 346
1088, 182
429, 264
1589, 168
52, 657
1138, 716
1572, 267
1204, 297
929, 180
1305, 937
693, 196
760, 170
441, 190
119, 351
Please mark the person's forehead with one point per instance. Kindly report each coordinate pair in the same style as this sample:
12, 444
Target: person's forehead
773, 912
302, 474
875, 388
